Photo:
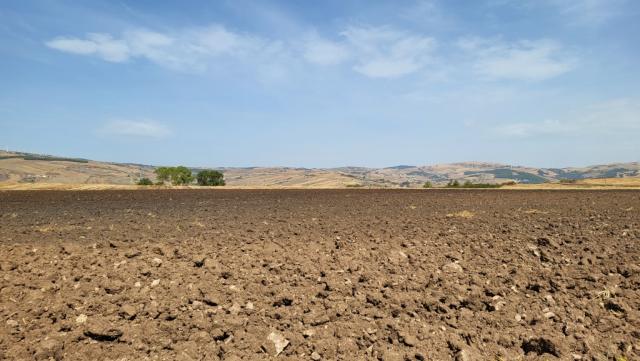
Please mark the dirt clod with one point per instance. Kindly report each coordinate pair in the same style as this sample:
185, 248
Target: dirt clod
129, 311
102, 331
540, 346
49, 349
452, 267
614, 306
408, 339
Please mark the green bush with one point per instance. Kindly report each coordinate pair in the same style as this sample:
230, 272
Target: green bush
469, 184
210, 178
453, 184
427, 185
51, 159
480, 185
568, 181
145, 182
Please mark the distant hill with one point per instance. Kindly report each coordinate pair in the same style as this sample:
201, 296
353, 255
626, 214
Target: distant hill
16, 167
38, 168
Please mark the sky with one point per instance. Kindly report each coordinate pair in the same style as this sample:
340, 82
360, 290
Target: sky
547, 83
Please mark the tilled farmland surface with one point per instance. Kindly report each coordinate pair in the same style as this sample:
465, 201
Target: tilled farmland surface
320, 275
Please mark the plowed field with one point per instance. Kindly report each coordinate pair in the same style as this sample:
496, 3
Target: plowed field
320, 275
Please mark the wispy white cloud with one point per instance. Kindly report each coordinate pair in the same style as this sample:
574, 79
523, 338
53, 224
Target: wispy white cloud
375, 52
101, 45
136, 128
428, 13
618, 116
574, 12
531, 60
384, 52
523, 130
324, 52
185, 49
589, 12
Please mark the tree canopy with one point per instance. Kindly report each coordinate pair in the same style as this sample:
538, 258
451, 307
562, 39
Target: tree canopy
177, 175
210, 178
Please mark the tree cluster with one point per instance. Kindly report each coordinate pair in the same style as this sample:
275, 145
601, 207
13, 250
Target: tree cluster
469, 184
183, 176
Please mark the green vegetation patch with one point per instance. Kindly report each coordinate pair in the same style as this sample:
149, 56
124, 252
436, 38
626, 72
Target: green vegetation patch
51, 159
562, 174
507, 173
145, 182
45, 158
468, 184
618, 173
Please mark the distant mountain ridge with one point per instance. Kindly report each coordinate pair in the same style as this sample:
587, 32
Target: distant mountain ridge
37, 168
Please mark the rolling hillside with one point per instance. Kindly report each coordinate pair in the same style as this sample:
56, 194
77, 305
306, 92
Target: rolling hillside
28, 168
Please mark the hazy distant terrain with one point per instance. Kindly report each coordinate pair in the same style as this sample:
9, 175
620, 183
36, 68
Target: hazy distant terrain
34, 168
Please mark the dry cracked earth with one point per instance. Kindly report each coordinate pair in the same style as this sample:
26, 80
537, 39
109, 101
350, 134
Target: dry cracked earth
320, 275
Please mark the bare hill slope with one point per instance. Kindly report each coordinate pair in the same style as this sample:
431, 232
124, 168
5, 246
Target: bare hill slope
27, 168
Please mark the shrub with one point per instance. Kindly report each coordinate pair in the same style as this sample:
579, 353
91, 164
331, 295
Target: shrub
210, 178
453, 184
480, 185
145, 182
568, 181
427, 185
468, 184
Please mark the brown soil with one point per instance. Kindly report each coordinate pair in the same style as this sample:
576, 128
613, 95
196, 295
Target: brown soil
324, 274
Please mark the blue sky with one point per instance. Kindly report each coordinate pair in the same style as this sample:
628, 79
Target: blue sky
323, 83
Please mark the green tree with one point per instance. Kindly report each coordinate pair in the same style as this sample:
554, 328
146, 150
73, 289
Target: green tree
145, 182
163, 174
181, 175
210, 178
177, 175
427, 185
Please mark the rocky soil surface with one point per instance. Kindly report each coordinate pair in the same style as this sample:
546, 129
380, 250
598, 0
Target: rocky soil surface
320, 275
